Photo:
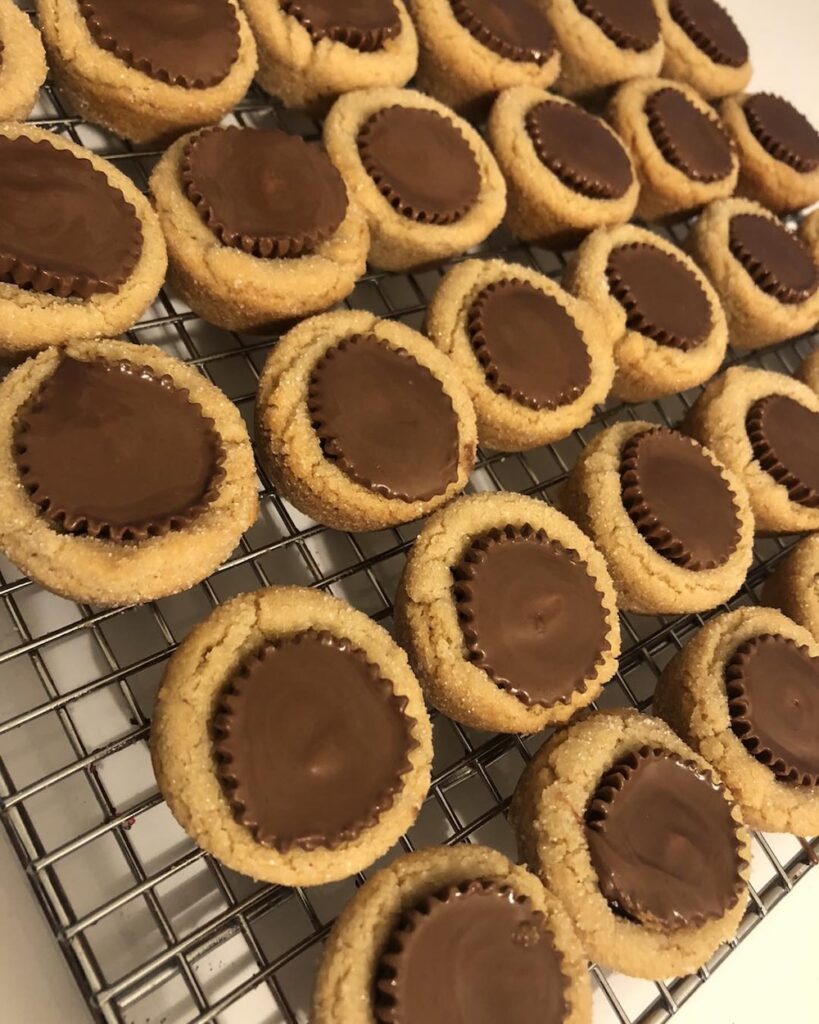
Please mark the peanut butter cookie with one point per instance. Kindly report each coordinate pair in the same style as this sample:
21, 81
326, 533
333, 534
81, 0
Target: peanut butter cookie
793, 586
703, 47
809, 370
22, 63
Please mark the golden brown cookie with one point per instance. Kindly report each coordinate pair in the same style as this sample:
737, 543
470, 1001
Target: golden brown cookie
452, 933
778, 150
81, 250
659, 312
566, 170
311, 51
496, 587
126, 476
22, 63
809, 233
534, 359
603, 42
703, 47
764, 427
362, 423
639, 838
290, 737
258, 225
149, 71
809, 370
673, 523
793, 586
682, 153
426, 180
744, 693
472, 49
766, 278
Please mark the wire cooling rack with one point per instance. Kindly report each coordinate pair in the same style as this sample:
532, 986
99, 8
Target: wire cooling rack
155, 931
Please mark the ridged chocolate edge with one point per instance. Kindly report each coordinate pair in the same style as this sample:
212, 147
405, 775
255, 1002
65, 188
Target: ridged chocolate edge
778, 150
768, 459
363, 41
739, 707
87, 526
232, 786
620, 37
764, 279
467, 19
701, 40
464, 572
665, 142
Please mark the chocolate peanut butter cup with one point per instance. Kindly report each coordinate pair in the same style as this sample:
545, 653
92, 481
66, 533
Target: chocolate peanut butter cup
678, 499
783, 131
531, 614
660, 295
784, 436
421, 164
384, 419
663, 841
579, 149
777, 260
265, 192
712, 29
475, 951
64, 229
192, 44
91, 448
516, 29
311, 742
689, 139
773, 701
529, 346
363, 25
631, 24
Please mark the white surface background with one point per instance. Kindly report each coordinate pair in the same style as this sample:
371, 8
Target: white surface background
773, 975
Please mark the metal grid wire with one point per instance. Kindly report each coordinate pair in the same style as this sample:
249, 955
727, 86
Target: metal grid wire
153, 929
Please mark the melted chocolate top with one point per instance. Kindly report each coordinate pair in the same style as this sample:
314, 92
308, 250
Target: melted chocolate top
631, 24
678, 499
63, 229
529, 346
783, 131
262, 191
663, 842
515, 29
779, 262
360, 24
710, 27
384, 419
475, 952
660, 295
189, 43
784, 436
311, 742
110, 450
690, 140
579, 149
524, 602
421, 164
773, 700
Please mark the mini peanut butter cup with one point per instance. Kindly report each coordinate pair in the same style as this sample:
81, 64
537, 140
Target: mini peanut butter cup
660, 295
663, 841
110, 450
311, 743
475, 951
64, 228
265, 192
773, 700
711, 28
363, 25
420, 163
689, 139
384, 419
631, 24
528, 345
783, 131
779, 262
192, 44
524, 602
516, 29
678, 499
579, 150
784, 436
